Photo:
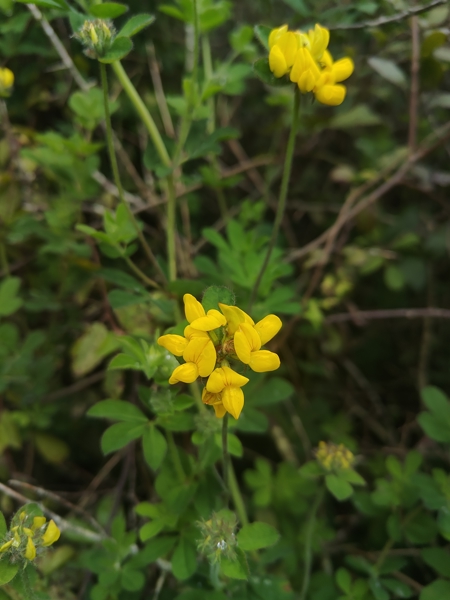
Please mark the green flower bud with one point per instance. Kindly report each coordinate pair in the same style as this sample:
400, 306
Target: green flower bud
96, 37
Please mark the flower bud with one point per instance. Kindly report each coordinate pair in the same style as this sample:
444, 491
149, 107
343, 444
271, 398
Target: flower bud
96, 37
218, 536
6, 82
333, 457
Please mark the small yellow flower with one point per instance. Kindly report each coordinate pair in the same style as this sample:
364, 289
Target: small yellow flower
235, 316
283, 52
38, 522
51, 534
305, 72
215, 400
6, 545
328, 91
247, 344
6, 79
318, 39
30, 550
227, 383
333, 457
200, 357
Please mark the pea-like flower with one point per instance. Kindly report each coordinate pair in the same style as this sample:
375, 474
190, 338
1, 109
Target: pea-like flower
29, 536
226, 384
6, 82
309, 63
200, 357
51, 534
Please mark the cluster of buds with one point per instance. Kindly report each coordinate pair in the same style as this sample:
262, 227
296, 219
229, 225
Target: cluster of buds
96, 37
218, 537
334, 457
6, 82
28, 537
211, 341
304, 56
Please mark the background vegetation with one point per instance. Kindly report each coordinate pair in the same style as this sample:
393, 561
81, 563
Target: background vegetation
359, 277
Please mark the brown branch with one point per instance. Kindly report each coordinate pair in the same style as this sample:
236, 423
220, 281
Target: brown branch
360, 317
409, 12
76, 387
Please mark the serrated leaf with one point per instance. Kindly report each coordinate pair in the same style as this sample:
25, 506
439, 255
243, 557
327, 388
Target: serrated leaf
256, 536
117, 410
155, 447
108, 10
120, 434
118, 50
262, 70
136, 24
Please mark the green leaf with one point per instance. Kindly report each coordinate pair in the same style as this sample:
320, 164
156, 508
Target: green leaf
431, 42
352, 477
344, 580
340, 488
7, 571
215, 294
155, 447
119, 435
262, 33
438, 590
108, 10
46, 3
436, 401
236, 569
124, 361
256, 536
262, 70
3, 526
132, 580
51, 448
118, 50
360, 115
394, 278
398, 588
184, 560
149, 530
9, 302
438, 559
135, 25
91, 348
234, 444
117, 410
389, 70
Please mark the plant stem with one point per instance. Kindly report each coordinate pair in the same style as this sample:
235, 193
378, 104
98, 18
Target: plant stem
225, 455
115, 170
196, 45
238, 501
282, 197
308, 543
175, 456
140, 273
26, 585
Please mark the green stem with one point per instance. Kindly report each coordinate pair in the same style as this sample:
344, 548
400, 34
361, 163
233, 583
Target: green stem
26, 585
196, 45
308, 544
225, 454
175, 456
282, 197
115, 170
171, 228
207, 65
238, 501
143, 112
140, 273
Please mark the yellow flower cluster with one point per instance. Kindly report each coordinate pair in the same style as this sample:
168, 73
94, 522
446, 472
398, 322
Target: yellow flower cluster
6, 81
333, 457
309, 64
26, 539
212, 339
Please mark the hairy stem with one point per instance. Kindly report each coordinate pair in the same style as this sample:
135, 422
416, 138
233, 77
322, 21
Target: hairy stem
308, 544
282, 198
236, 495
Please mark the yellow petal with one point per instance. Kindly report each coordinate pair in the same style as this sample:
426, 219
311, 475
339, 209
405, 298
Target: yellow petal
192, 308
288, 44
304, 68
216, 381
231, 378
190, 332
319, 38
212, 320
233, 401
176, 344
246, 341
6, 78
38, 522
268, 328
235, 316
342, 69
277, 62
327, 59
27, 531
30, 550
207, 360
6, 545
220, 410
307, 82
263, 361
210, 398
195, 349
51, 534
275, 34
332, 95
186, 373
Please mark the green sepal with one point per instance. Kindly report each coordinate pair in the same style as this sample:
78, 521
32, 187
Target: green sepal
262, 71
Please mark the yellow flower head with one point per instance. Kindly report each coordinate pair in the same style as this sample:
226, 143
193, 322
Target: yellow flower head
51, 534
6, 81
200, 357
333, 457
227, 383
30, 550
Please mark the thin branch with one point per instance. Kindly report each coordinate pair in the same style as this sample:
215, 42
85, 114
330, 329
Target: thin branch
414, 93
76, 387
159, 90
360, 317
409, 12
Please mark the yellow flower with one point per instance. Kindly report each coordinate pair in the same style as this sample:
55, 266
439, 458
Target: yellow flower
282, 52
200, 357
334, 457
30, 550
305, 72
51, 534
198, 318
6, 545
268, 328
327, 91
247, 344
235, 316
227, 383
6, 80
318, 39
38, 522
215, 400
275, 34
